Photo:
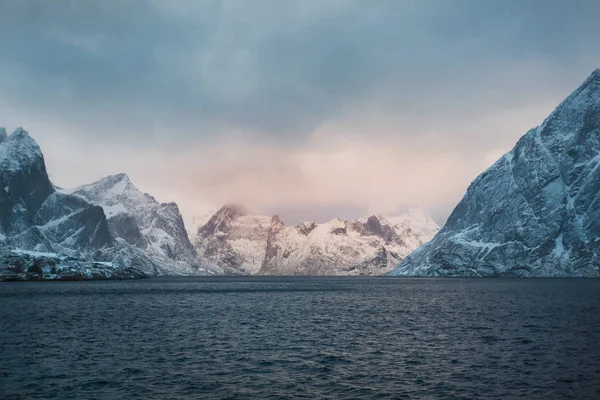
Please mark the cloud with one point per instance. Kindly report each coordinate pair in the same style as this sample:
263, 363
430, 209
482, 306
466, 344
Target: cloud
313, 106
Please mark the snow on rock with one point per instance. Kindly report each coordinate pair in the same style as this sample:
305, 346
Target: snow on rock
33, 216
536, 211
254, 244
18, 264
156, 230
106, 222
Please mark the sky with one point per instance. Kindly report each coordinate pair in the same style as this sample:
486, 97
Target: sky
311, 109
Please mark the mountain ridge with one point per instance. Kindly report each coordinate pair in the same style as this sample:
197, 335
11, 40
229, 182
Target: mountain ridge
264, 245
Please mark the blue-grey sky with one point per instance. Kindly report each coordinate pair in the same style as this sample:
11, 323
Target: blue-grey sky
313, 109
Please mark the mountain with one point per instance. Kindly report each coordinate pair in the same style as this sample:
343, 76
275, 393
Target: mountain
262, 245
137, 220
536, 211
32, 214
35, 217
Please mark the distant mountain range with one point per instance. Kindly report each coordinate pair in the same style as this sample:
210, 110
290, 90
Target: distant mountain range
109, 228
264, 245
536, 211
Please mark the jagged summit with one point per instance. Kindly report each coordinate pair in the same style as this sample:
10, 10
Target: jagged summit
19, 150
19, 133
109, 186
3, 134
536, 211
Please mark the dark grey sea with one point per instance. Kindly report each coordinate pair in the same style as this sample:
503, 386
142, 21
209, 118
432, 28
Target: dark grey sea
301, 338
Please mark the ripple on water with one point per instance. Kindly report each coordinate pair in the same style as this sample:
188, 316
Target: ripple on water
300, 338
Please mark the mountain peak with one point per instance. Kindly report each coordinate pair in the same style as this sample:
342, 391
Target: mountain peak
277, 222
121, 177
232, 211
19, 150
117, 182
19, 133
594, 77
109, 187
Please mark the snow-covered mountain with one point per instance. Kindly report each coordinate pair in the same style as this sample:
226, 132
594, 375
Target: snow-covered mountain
73, 225
32, 214
536, 211
137, 219
256, 244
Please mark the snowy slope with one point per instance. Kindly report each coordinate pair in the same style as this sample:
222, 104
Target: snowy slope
156, 230
255, 244
536, 211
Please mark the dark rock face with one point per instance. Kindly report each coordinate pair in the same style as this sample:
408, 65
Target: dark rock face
272, 248
377, 265
24, 183
306, 228
536, 211
124, 226
73, 222
339, 231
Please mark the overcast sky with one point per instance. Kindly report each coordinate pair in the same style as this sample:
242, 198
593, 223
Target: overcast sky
312, 109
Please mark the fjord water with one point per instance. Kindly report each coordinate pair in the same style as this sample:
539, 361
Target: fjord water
250, 337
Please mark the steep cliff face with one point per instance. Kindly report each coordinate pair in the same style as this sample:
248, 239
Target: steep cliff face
255, 244
23, 179
536, 211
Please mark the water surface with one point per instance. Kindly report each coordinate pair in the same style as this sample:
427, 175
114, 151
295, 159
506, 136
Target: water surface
260, 338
